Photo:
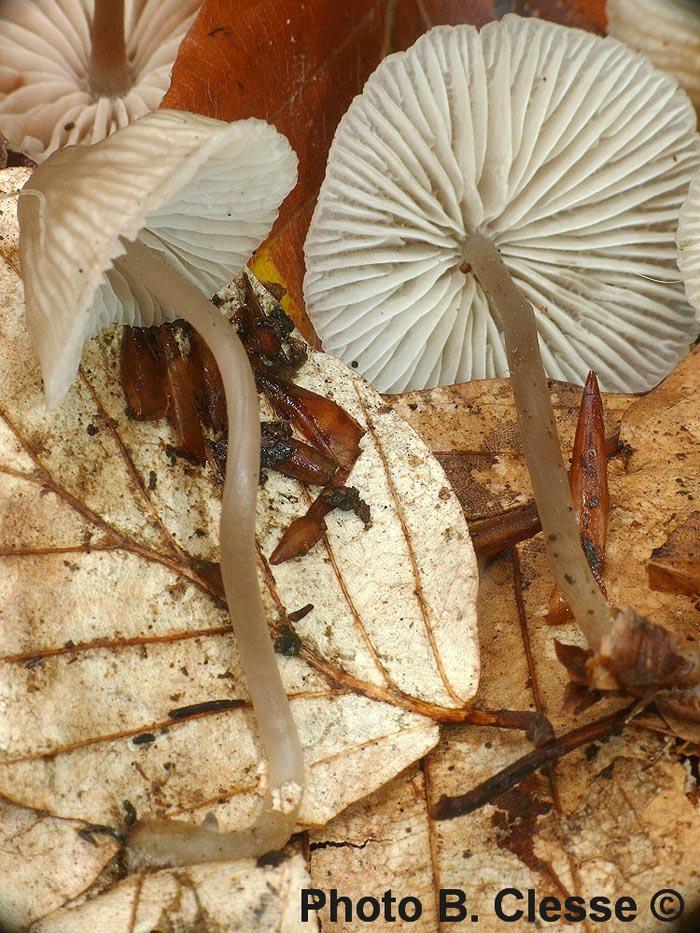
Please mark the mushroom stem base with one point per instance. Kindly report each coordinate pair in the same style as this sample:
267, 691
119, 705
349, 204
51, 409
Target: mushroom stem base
240, 577
540, 440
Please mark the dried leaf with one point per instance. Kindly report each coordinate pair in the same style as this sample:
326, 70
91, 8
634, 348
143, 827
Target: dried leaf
618, 815
654, 489
675, 565
44, 862
212, 898
127, 624
473, 432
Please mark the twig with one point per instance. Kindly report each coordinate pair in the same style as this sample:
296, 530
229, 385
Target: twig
449, 807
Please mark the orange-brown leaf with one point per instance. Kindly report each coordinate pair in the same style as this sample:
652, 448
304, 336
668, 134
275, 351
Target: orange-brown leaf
297, 65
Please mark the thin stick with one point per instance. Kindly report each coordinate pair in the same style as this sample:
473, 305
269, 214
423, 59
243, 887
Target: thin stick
166, 841
540, 440
449, 807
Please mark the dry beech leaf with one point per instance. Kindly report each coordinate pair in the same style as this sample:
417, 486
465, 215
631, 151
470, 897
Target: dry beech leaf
618, 817
44, 862
655, 489
209, 898
111, 620
675, 565
473, 431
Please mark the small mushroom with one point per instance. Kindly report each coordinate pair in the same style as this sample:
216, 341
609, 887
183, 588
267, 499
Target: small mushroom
567, 151
491, 188
138, 229
73, 71
666, 31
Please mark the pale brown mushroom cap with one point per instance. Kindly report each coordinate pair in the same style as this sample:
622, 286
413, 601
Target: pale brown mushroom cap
46, 101
201, 191
569, 151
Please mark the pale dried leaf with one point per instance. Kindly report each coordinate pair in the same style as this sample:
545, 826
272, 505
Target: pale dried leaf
211, 898
126, 624
618, 817
473, 431
44, 863
656, 489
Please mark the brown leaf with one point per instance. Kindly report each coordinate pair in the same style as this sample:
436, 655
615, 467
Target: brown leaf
414, 17
297, 66
675, 566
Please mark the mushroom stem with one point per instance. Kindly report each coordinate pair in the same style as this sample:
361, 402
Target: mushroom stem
540, 440
164, 841
109, 68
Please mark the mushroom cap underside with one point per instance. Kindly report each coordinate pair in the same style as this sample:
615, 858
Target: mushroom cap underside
666, 31
688, 242
570, 151
46, 98
203, 192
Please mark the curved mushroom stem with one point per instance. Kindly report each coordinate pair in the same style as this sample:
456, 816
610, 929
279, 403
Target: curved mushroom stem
540, 440
171, 842
109, 68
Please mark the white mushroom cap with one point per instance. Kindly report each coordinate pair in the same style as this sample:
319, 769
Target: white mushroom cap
201, 191
666, 31
569, 151
689, 244
46, 101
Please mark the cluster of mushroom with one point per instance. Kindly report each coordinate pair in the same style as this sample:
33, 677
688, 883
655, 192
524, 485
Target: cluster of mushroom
490, 197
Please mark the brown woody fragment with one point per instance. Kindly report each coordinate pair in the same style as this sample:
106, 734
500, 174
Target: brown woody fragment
207, 384
182, 409
280, 451
588, 480
307, 530
494, 534
326, 425
449, 807
142, 375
